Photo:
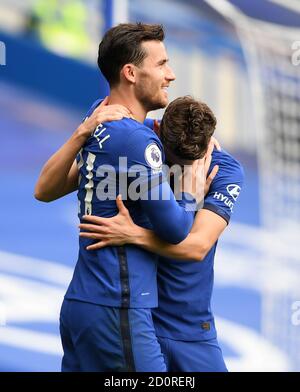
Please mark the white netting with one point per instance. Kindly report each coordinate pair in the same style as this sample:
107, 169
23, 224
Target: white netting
275, 83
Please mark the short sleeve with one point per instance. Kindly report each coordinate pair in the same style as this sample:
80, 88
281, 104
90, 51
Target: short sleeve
225, 188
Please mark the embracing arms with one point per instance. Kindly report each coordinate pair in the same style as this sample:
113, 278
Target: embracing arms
121, 230
205, 232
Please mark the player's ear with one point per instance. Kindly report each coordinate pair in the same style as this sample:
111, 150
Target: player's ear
129, 72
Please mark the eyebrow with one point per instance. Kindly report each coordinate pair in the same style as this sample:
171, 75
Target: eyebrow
161, 62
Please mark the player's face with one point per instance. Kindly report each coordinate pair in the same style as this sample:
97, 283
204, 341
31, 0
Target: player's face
154, 76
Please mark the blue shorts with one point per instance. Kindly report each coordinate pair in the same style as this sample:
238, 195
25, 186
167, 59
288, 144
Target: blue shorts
99, 338
192, 356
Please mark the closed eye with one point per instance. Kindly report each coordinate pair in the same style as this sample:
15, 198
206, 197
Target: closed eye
162, 62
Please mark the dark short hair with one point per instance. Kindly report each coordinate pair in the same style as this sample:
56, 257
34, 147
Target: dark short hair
186, 128
122, 45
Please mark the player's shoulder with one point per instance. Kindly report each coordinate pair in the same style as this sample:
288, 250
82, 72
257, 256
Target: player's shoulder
149, 123
228, 164
139, 134
223, 157
93, 107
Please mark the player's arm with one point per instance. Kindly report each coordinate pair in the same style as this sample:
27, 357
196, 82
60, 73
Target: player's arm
170, 218
208, 226
210, 221
59, 176
206, 230
120, 230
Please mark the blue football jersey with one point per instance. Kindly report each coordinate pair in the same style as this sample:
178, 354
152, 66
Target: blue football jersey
149, 122
185, 288
124, 276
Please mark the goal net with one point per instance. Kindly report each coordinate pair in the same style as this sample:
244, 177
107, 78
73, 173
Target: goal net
274, 74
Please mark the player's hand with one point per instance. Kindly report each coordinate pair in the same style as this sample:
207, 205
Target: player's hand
195, 179
207, 162
203, 180
216, 143
201, 168
118, 230
103, 113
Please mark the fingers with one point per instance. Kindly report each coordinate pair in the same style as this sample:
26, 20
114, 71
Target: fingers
210, 179
215, 143
98, 245
104, 117
92, 228
208, 157
117, 109
123, 109
212, 175
207, 163
104, 113
104, 102
210, 148
93, 236
196, 164
97, 220
120, 205
113, 109
110, 114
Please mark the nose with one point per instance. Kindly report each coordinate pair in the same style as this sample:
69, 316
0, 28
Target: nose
170, 74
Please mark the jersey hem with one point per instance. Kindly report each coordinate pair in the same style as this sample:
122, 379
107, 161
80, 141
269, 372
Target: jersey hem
217, 210
187, 338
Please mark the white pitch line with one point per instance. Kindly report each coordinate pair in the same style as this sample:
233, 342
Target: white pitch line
41, 342
255, 353
293, 5
35, 268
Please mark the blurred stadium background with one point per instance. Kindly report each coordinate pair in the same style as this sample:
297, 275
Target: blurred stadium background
240, 57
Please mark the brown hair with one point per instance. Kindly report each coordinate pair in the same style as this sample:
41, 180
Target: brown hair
122, 45
186, 128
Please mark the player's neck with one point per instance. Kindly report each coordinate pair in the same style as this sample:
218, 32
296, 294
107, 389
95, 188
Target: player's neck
127, 99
